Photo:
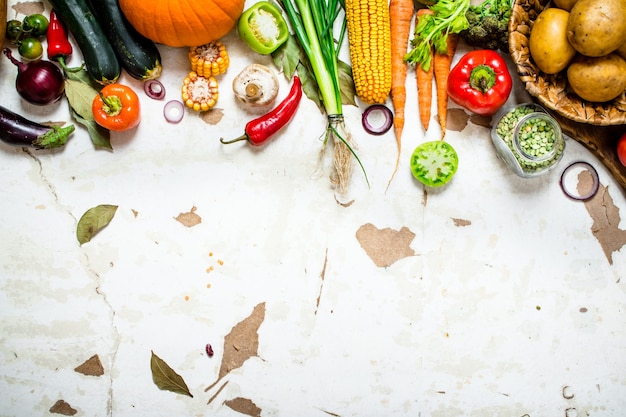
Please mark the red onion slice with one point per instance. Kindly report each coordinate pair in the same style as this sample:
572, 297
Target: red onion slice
570, 185
372, 119
154, 89
174, 111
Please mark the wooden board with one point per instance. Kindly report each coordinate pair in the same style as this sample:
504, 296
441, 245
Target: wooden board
600, 140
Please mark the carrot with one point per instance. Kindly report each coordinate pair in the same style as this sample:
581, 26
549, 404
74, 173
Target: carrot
400, 15
441, 68
424, 79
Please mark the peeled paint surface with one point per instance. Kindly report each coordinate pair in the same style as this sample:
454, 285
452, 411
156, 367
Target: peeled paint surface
492, 296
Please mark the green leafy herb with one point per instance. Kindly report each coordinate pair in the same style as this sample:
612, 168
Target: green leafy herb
313, 22
165, 378
432, 30
94, 220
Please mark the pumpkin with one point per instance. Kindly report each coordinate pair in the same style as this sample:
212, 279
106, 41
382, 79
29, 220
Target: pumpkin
182, 22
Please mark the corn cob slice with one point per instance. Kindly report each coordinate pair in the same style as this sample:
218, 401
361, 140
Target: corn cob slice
369, 39
199, 93
209, 60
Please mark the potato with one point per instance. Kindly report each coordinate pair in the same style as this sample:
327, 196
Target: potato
565, 4
597, 27
621, 51
548, 42
597, 79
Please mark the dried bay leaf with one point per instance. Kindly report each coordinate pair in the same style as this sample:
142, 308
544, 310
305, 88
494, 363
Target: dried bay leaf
241, 343
80, 91
80, 97
91, 367
166, 378
94, 220
100, 137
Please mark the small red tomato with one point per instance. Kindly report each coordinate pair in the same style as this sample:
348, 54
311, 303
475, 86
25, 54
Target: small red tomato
621, 149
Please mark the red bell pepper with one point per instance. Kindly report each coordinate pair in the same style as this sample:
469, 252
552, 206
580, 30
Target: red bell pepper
480, 82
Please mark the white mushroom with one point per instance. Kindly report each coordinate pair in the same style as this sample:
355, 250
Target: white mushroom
256, 85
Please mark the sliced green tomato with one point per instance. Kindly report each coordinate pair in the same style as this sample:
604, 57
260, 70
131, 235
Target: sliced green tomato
263, 27
434, 163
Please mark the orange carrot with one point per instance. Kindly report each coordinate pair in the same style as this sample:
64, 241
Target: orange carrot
400, 15
441, 67
424, 79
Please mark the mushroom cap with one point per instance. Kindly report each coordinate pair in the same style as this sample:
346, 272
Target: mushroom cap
256, 85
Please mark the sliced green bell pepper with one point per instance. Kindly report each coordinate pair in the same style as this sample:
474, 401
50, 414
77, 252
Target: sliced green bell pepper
263, 27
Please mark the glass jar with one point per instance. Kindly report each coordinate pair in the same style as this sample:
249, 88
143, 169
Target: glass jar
528, 139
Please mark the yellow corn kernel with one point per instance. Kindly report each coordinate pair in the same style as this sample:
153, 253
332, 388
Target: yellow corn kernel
209, 60
369, 39
199, 93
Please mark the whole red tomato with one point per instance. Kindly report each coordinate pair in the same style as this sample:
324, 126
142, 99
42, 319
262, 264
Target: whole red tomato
621, 149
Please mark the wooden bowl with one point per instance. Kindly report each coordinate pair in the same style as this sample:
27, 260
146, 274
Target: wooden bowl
552, 91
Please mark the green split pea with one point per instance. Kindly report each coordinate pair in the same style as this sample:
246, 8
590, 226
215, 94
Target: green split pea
533, 137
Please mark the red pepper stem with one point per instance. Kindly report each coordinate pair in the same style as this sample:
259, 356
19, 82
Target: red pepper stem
240, 138
61, 60
112, 105
482, 78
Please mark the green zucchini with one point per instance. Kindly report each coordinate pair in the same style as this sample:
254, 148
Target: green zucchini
101, 63
138, 55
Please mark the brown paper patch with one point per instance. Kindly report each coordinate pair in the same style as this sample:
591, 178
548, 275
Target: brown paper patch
244, 406
61, 407
385, 246
212, 116
461, 222
91, 367
606, 218
190, 218
457, 120
241, 343
28, 7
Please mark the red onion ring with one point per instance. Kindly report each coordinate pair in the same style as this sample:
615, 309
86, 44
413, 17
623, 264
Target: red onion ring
154, 89
174, 111
377, 129
594, 176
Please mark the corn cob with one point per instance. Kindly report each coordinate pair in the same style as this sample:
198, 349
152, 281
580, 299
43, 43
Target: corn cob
369, 39
209, 60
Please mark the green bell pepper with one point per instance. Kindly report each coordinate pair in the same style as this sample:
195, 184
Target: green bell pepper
263, 27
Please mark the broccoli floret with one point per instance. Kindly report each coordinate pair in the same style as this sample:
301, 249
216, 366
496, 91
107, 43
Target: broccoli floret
488, 25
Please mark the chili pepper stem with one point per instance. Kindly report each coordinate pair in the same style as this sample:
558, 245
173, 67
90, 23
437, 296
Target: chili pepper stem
112, 105
61, 61
240, 138
482, 78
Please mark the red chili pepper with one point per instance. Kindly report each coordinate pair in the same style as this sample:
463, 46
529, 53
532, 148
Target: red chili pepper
261, 129
480, 82
59, 46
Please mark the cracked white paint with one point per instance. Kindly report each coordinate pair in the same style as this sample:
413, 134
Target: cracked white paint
492, 319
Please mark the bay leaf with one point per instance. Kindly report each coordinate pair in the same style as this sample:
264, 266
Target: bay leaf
94, 220
166, 378
100, 137
80, 96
